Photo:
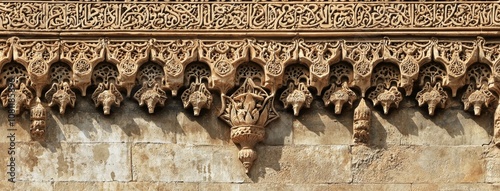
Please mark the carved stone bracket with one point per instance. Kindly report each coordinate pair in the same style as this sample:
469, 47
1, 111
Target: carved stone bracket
362, 123
340, 93
386, 92
38, 117
248, 110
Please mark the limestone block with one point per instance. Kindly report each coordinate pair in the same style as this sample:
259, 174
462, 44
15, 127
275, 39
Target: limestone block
177, 186
418, 164
347, 187
73, 162
320, 126
173, 163
32, 186
280, 131
302, 164
205, 129
453, 187
493, 170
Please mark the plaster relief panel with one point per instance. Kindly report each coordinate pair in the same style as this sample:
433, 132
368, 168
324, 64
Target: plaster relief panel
477, 94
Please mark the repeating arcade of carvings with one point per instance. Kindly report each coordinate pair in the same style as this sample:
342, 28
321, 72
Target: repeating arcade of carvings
271, 15
382, 71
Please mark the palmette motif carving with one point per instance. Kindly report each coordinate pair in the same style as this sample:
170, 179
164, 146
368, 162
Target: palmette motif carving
107, 96
150, 96
296, 97
198, 97
433, 96
38, 117
477, 93
362, 123
248, 110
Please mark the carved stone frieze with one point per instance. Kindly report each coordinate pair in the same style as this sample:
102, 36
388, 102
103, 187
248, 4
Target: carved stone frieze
128, 56
37, 56
38, 117
61, 94
248, 110
233, 16
274, 56
174, 56
197, 95
82, 56
386, 93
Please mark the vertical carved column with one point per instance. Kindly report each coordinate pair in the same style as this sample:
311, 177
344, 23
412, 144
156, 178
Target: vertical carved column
362, 123
248, 111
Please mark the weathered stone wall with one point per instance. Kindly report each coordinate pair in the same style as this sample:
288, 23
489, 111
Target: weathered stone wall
173, 150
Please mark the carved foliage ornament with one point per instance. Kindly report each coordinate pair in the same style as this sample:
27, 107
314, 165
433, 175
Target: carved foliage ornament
248, 110
38, 117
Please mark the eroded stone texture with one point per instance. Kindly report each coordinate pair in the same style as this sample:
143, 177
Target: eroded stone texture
73, 162
302, 164
174, 163
418, 164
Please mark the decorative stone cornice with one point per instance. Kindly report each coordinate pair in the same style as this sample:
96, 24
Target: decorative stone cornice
250, 53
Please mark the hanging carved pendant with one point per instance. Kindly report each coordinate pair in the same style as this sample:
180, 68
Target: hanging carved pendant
297, 97
248, 111
432, 96
338, 96
198, 97
386, 92
22, 98
150, 96
62, 95
361, 125
107, 96
477, 98
38, 117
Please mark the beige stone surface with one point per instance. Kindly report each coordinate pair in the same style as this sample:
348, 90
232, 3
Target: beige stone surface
182, 163
418, 164
33, 186
74, 162
302, 164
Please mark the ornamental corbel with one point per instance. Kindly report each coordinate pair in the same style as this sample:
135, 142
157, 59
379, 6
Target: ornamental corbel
274, 56
385, 78
456, 56
150, 95
363, 56
489, 53
223, 57
432, 93
409, 56
297, 95
174, 55
82, 56
61, 94
319, 56
37, 56
197, 95
339, 93
107, 95
248, 110
127, 56
22, 98
38, 117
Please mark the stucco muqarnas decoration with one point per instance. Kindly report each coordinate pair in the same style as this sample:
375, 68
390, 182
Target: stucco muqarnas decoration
299, 53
